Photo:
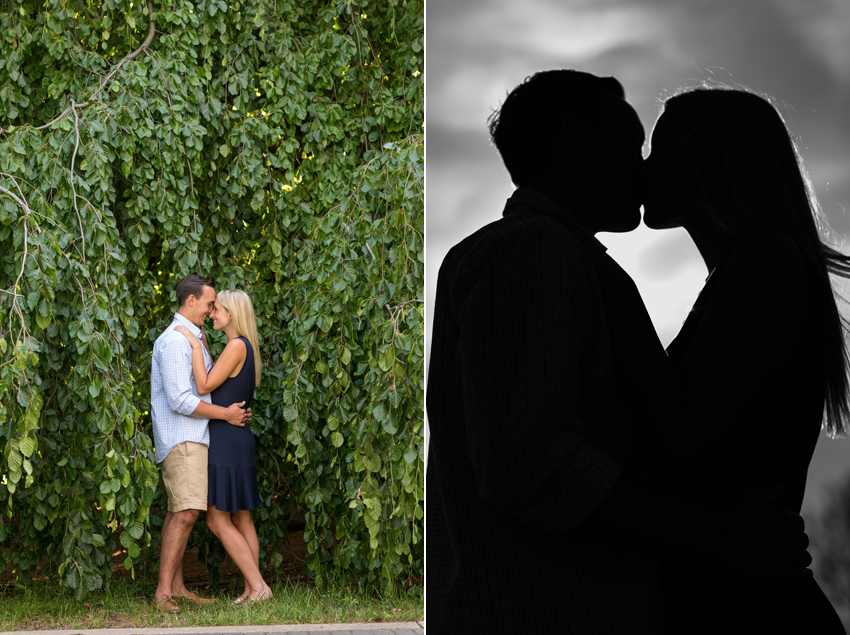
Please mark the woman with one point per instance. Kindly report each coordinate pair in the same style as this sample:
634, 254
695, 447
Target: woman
761, 356
233, 490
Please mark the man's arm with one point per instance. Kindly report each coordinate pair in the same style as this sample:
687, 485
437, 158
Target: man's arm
233, 414
750, 536
175, 359
524, 328
175, 364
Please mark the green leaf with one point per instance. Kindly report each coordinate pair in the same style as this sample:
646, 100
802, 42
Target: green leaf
72, 578
136, 529
374, 463
337, 439
28, 445
97, 540
410, 455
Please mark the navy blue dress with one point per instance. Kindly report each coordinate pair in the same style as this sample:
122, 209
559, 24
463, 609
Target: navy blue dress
232, 470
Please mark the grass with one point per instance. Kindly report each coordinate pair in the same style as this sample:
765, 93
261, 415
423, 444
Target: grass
127, 604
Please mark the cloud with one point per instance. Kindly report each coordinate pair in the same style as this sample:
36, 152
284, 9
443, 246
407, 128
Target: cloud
670, 254
494, 46
825, 28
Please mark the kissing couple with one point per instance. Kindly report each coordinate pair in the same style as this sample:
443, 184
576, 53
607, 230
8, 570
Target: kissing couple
200, 411
582, 479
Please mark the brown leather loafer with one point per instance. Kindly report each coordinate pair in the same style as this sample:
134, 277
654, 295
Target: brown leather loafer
166, 604
194, 599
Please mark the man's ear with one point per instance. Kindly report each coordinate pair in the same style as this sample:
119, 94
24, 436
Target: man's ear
574, 134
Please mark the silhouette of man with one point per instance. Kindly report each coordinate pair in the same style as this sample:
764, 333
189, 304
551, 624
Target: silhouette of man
546, 397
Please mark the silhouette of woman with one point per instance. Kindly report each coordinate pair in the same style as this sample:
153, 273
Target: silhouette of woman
761, 356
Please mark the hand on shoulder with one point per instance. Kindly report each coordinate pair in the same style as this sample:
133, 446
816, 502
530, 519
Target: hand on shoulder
188, 335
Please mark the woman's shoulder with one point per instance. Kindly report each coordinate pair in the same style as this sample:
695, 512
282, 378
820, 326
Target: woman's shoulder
238, 345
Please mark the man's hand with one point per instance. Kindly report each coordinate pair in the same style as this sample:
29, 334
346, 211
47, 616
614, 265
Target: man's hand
762, 540
236, 416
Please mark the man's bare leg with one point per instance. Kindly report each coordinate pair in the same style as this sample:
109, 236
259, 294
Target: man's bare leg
177, 586
176, 529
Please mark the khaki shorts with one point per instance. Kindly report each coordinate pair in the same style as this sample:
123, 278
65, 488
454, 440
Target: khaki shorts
184, 474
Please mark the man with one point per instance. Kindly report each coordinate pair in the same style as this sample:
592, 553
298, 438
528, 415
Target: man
181, 435
545, 399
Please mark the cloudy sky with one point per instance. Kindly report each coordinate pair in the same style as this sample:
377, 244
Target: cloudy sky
477, 50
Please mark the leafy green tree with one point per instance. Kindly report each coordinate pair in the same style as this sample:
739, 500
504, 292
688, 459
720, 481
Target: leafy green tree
275, 146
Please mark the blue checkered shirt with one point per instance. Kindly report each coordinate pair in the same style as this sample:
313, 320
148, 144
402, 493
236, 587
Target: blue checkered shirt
174, 396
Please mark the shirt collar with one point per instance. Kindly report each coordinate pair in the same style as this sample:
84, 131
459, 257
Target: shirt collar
525, 200
192, 327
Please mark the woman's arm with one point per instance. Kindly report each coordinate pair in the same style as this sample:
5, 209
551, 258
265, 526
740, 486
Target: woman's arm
234, 353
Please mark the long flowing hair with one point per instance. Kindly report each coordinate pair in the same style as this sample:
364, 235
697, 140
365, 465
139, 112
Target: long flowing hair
242, 316
741, 165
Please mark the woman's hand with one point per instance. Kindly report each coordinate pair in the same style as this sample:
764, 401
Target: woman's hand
188, 334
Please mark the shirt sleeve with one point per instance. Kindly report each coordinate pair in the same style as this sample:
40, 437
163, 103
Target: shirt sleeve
175, 359
524, 330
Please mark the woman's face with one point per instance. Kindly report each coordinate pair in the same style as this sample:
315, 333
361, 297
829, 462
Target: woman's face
220, 316
664, 204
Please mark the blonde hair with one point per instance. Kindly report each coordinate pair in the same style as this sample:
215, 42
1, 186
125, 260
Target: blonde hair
242, 316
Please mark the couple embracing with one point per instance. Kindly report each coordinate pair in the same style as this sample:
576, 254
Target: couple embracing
582, 479
200, 411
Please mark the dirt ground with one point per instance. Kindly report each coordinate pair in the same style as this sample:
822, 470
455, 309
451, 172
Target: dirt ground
194, 573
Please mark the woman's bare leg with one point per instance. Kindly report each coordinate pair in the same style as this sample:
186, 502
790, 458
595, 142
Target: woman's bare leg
238, 549
242, 521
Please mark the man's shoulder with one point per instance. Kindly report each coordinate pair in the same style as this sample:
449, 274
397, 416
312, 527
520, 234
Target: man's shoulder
531, 233
168, 337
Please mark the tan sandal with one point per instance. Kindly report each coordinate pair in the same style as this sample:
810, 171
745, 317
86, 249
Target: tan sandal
260, 598
194, 599
167, 604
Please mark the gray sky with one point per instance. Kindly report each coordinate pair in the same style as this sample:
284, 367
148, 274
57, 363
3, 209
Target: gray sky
797, 52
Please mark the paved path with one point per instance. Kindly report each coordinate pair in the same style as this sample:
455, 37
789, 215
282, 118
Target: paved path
383, 628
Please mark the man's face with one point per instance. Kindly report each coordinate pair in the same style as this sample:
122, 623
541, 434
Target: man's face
201, 307
616, 168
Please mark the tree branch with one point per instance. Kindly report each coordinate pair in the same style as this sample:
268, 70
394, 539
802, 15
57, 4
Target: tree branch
14, 293
131, 56
73, 188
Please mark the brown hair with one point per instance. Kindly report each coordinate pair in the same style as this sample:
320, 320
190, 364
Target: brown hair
193, 284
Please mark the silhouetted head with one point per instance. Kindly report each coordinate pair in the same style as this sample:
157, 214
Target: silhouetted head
572, 136
726, 153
